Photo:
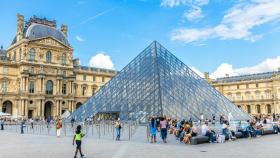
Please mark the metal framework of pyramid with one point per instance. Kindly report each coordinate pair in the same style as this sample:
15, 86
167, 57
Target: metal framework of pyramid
156, 83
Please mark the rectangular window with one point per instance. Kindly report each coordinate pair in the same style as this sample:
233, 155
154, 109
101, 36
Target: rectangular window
4, 86
5, 70
93, 78
64, 88
85, 77
257, 85
31, 87
237, 86
103, 79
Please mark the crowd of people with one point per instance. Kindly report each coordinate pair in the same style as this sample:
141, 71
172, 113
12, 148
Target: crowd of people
215, 130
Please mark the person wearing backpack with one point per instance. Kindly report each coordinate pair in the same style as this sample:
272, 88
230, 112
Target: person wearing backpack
78, 139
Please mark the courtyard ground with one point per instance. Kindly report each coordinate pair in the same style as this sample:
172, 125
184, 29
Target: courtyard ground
14, 145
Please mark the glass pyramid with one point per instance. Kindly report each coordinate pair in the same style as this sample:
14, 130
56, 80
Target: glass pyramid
156, 83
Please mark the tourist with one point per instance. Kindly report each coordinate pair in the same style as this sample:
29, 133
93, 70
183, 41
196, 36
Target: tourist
72, 122
22, 125
187, 133
206, 131
32, 123
48, 121
251, 129
163, 129
242, 127
227, 131
213, 119
58, 127
118, 127
201, 118
153, 130
2, 123
78, 138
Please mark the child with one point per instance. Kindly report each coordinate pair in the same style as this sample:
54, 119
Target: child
78, 138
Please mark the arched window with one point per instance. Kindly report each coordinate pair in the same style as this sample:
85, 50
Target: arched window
63, 59
32, 54
49, 87
249, 109
258, 109
49, 57
268, 106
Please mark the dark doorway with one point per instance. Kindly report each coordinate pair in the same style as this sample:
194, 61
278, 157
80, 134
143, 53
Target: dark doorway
48, 110
7, 107
30, 114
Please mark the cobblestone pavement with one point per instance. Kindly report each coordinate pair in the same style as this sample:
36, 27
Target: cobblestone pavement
14, 145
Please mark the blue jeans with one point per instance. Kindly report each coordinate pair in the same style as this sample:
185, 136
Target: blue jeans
210, 136
118, 131
163, 133
275, 129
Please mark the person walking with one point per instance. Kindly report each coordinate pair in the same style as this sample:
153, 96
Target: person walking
32, 123
22, 125
163, 129
58, 127
48, 121
2, 124
78, 139
118, 127
153, 130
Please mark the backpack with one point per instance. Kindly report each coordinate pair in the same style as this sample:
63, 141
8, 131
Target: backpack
221, 138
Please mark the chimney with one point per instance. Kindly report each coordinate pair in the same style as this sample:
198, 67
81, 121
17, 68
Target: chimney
64, 29
20, 25
206, 75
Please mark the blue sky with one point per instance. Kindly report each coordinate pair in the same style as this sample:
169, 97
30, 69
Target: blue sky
218, 36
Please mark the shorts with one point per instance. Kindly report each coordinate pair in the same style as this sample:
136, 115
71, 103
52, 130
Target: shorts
79, 143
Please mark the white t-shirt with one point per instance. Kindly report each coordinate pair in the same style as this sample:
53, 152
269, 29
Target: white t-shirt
204, 129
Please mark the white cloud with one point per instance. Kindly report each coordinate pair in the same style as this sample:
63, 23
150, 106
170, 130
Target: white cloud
80, 39
101, 60
197, 71
195, 11
237, 23
270, 64
194, 14
174, 3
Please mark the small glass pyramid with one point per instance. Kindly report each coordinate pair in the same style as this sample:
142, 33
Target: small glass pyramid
156, 83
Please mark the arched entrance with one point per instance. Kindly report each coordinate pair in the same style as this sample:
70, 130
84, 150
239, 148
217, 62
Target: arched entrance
78, 105
258, 109
268, 107
7, 107
48, 110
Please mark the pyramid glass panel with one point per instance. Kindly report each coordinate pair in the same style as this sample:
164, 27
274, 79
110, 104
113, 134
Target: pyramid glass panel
156, 83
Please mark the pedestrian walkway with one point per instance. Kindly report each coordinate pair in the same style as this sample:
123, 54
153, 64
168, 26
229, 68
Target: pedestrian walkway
34, 146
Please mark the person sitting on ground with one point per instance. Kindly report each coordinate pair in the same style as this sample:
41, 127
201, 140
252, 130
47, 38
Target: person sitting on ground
206, 131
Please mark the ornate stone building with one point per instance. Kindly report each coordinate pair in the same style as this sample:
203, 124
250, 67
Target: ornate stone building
38, 75
256, 93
